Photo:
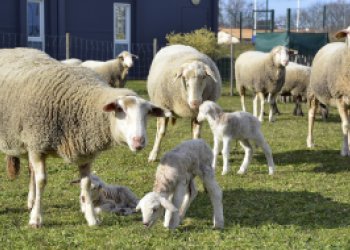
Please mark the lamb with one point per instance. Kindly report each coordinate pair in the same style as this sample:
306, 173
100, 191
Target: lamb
180, 79
113, 71
72, 61
330, 84
110, 198
64, 111
240, 126
262, 73
174, 188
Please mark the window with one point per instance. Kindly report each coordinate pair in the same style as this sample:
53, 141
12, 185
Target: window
122, 27
35, 24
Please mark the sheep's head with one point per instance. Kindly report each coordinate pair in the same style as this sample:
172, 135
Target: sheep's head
344, 33
152, 207
280, 56
129, 120
127, 58
193, 77
208, 109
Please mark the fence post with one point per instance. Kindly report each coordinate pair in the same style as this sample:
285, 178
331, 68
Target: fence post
154, 46
272, 20
324, 17
288, 20
240, 26
231, 67
67, 45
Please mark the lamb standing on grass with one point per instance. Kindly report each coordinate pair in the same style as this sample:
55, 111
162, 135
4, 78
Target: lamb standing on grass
113, 71
262, 73
174, 188
330, 84
180, 79
67, 112
240, 126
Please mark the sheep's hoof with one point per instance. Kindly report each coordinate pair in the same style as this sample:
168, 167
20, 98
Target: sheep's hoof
35, 226
152, 157
241, 171
94, 222
310, 144
261, 119
224, 172
345, 153
218, 226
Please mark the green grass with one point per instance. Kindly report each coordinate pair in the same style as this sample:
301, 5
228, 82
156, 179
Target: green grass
305, 205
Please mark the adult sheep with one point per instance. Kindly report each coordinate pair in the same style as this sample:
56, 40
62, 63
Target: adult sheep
67, 112
330, 84
180, 79
262, 73
113, 71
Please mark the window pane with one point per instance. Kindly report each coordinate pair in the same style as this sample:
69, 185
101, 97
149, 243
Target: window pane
33, 19
120, 22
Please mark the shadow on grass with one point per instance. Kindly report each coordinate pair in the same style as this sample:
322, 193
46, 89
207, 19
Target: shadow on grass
252, 208
13, 210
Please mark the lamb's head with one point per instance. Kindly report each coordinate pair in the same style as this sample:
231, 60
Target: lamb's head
127, 58
344, 33
129, 120
208, 109
152, 207
194, 79
280, 56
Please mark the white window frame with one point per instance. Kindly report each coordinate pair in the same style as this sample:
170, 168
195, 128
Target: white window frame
41, 38
127, 26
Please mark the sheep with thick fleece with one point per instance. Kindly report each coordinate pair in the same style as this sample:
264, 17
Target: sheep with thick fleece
262, 73
110, 198
174, 188
72, 61
180, 79
240, 126
330, 84
67, 112
113, 71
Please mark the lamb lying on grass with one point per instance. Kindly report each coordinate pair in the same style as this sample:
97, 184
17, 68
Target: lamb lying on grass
109, 198
240, 126
174, 188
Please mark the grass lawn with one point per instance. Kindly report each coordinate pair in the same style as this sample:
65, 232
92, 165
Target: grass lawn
305, 205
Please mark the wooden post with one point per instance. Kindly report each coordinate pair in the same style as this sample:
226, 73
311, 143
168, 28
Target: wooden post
231, 68
67, 45
154, 46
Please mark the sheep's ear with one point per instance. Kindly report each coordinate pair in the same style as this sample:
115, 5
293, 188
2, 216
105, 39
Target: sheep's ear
210, 73
178, 74
135, 56
112, 106
167, 205
138, 207
342, 33
159, 112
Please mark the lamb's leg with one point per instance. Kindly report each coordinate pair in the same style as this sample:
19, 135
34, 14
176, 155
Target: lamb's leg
190, 195
216, 149
31, 193
343, 112
311, 114
215, 194
226, 154
179, 195
168, 214
248, 154
196, 128
261, 142
162, 123
243, 102
85, 194
255, 105
262, 103
38, 163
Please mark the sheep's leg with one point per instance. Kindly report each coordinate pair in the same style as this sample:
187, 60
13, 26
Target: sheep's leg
255, 105
215, 194
162, 123
262, 103
31, 193
179, 195
311, 118
226, 154
85, 195
190, 195
168, 214
196, 128
38, 163
243, 102
343, 112
261, 142
272, 101
248, 154
216, 149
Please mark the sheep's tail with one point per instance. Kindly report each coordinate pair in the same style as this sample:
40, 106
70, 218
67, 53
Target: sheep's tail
13, 167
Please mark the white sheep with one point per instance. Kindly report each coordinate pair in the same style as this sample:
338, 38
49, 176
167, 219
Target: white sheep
330, 84
109, 198
262, 73
72, 61
225, 38
64, 111
240, 126
113, 71
174, 188
180, 79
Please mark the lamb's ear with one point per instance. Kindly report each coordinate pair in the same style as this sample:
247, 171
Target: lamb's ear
210, 73
113, 106
159, 112
138, 207
167, 205
342, 33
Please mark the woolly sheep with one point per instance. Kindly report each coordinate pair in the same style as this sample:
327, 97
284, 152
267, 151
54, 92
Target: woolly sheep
330, 84
240, 126
72, 61
67, 112
109, 198
180, 79
113, 71
225, 38
262, 73
174, 188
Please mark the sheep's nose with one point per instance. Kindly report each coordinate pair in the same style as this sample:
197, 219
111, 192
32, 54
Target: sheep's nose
138, 142
195, 104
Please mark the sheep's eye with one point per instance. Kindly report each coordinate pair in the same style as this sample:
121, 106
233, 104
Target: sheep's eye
154, 210
119, 109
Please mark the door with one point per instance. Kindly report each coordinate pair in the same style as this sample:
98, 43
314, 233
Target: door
36, 24
122, 27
